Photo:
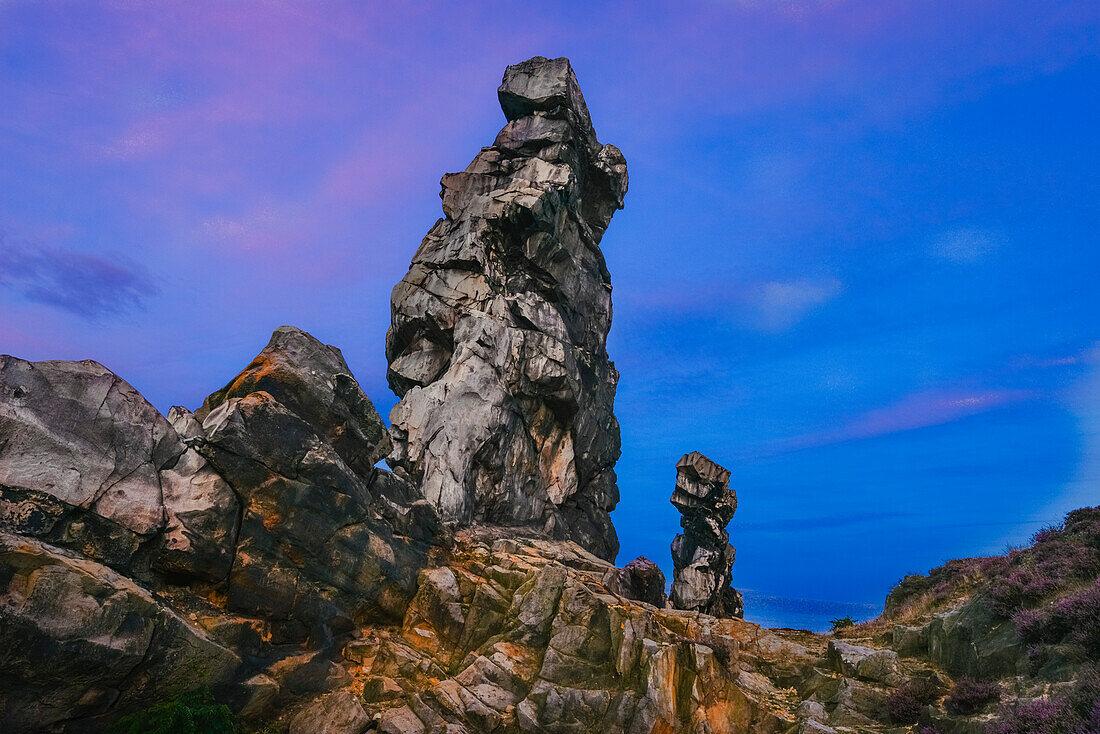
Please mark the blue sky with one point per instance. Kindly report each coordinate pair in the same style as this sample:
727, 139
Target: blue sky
857, 263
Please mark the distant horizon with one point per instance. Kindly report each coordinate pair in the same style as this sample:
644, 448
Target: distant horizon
855, 265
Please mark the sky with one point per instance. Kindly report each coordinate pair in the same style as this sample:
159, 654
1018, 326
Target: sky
857, 263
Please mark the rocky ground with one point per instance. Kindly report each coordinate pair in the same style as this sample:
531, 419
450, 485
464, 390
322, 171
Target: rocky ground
248, 567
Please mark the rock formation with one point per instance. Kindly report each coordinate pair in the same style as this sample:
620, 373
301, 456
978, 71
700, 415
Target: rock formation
252, 556
497, 346
140, 555
702, 556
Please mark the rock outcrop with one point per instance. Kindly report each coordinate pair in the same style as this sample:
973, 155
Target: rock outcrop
529, 635
322, 539
497, 346
642, 580
702, 556
142, 556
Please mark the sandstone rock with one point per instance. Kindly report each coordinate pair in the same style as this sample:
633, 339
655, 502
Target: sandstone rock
642, 580
525, 634
972, 640
202, 512
313, 381
81, 641
810, 709
497, 345
910, 641
864, 662
324, 537
337, 713
702, 556
259, 694
80, 452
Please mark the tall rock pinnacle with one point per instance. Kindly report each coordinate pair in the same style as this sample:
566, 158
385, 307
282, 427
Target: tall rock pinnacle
702, 557
497, 345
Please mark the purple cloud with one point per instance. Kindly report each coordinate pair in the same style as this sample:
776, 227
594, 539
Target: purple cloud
80, 283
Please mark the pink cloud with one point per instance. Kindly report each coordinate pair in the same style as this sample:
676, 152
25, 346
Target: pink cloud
918, 410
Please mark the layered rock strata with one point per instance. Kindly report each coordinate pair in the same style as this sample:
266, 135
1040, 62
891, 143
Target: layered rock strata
497, 346
702, 556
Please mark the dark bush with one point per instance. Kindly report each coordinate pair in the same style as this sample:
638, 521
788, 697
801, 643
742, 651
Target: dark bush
909, 699
189, 713
839, 623
969, 696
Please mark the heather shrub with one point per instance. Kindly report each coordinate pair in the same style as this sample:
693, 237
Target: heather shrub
1079, 613
969, 696
1078, 712
1046, 534
1041, 716
909, 699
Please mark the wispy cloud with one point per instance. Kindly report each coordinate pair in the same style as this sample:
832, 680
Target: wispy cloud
966, 245
768, 306
80, 283
782, 304
919, 410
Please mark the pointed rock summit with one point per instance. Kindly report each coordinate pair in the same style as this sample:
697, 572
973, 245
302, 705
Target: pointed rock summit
702, 556
497, 345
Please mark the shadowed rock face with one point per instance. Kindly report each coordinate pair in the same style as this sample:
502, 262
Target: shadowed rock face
497, 345
702, 556
323, 534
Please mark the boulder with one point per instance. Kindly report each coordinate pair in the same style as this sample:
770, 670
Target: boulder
80, 456
337, 713
868, 663
497, 343
642, 580
313, 381
203, 514
702, 556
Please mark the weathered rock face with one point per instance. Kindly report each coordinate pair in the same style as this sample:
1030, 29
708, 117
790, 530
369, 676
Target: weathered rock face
87, 463
80, 640
141, 557
497, 345
529, 635
313, 381
702, 556
322, 539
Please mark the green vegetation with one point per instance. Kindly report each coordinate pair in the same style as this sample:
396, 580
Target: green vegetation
189, 713
840, 623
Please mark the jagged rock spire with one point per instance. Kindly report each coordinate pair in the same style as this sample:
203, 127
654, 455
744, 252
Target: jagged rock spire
497, 346
702, 556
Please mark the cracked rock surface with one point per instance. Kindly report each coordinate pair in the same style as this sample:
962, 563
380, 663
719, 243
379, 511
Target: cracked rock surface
702, 556
497, 346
